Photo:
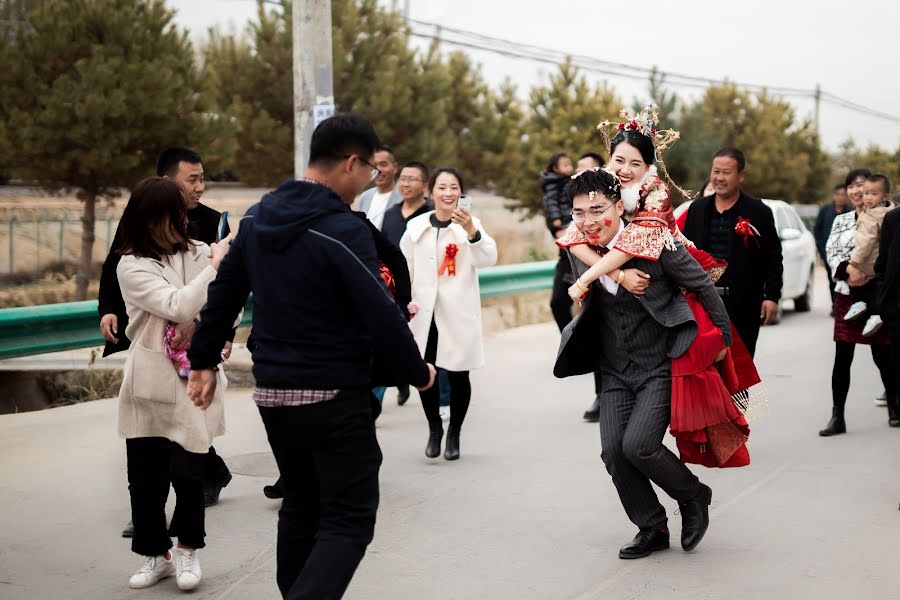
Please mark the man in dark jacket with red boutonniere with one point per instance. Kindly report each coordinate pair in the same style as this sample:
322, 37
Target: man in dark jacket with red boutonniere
741, 230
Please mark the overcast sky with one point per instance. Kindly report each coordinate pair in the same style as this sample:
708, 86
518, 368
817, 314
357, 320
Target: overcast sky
848, 48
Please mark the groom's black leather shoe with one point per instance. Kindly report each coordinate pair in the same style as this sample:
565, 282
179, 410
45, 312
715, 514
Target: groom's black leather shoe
645, 543
695, 518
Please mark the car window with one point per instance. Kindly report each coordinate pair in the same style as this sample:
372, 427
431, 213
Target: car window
794, 220
781, 221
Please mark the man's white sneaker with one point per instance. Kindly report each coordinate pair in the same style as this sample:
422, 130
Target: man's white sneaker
187, 568
882, 399
444, 411
155, 568
873, 325
857, 309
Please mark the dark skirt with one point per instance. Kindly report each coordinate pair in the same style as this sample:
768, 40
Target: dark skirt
851, 331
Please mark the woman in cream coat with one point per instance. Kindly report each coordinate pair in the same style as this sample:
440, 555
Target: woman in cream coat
444, 248
163, 276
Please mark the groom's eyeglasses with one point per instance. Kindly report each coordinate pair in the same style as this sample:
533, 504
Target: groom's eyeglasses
580, 216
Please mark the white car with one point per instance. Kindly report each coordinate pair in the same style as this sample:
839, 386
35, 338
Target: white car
798, 248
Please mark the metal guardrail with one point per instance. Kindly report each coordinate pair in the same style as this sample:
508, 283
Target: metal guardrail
56, 327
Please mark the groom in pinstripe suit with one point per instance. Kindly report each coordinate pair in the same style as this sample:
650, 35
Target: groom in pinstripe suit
632, 340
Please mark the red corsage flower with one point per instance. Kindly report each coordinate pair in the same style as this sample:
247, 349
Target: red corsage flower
746, 229
449, 264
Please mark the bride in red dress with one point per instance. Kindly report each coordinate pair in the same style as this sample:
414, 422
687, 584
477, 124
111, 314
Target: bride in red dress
709, 382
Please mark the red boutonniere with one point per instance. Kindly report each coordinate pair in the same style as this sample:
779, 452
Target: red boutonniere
449, 264
746, 229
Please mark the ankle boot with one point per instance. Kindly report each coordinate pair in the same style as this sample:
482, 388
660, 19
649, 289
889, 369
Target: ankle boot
893, 411
451, 452
434, 442
836, 425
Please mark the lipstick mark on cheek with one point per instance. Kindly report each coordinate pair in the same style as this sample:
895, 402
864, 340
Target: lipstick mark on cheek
607, 221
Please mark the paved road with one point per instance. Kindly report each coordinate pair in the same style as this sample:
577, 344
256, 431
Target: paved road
527, 513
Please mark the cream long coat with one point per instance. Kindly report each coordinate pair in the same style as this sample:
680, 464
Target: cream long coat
153, 400
453, 301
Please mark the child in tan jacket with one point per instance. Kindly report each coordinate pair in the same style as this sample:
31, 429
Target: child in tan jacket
876, 196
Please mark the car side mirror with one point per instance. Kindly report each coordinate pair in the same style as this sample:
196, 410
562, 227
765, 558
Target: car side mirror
789, 233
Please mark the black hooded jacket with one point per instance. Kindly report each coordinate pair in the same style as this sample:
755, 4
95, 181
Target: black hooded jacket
320, 308
556, 204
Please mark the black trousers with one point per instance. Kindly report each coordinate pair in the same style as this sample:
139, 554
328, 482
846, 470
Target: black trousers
840, 374
635, 412
329, 459
560, 302
460, 390
154, 463
745, 317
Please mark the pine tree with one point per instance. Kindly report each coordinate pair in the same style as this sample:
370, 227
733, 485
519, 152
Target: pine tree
561, 116
90, 94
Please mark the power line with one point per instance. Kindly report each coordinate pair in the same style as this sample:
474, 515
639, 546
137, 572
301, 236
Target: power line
477, 41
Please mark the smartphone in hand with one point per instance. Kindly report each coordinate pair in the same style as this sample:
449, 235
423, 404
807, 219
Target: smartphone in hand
223, 225
464, 202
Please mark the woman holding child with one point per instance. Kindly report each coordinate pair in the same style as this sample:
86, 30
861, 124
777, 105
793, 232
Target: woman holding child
844, 260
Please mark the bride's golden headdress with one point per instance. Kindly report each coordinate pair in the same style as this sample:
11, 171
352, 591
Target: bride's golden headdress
644, 123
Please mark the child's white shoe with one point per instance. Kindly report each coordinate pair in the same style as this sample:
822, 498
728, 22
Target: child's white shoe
857, 309
873, 325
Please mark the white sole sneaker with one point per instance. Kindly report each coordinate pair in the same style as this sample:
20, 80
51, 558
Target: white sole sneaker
857, 309
873, 326
187, 568
155, 569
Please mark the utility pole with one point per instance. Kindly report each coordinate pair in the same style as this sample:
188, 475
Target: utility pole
313, 77
818, 97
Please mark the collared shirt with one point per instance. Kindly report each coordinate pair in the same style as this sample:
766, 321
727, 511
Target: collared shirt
721, 226
605, 280
271, 398
378, 207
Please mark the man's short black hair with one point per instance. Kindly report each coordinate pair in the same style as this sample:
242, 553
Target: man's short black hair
734, 153
840, 186
882, 179
341, 136
167, 163
387, 149
594, 181
596, 156
413, 164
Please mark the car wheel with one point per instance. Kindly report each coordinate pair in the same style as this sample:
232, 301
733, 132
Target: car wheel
802, 303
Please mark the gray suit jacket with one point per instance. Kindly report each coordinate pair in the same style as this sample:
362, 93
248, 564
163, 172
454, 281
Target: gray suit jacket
365, 199
663, 300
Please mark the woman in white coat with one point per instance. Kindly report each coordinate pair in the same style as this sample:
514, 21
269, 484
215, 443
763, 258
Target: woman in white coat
164, 276
444, 248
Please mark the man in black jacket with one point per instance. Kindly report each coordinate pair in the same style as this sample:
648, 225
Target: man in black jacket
184, 167
740, 229
822, 229
320, 314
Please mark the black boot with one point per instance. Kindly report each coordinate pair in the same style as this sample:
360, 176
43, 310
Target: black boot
645, 543
894, 411
402, 394
274, 491
451, 452
695, 518
836, 425
592, 415
434, 442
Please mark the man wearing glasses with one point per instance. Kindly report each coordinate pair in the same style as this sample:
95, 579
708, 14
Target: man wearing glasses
376, 201
632, 338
